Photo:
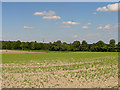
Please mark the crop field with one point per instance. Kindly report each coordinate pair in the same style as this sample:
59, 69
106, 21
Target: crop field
60, 70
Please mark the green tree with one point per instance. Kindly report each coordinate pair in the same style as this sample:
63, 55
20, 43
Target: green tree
22, 45
76, 46
100, 46
93, 47
32, 45
65, 47
16, 44
57, 45
112, 45
84, 46
118, 47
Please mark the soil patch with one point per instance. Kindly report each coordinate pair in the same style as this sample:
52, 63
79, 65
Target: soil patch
13, 51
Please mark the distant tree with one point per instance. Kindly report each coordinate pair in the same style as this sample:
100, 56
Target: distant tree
6, 45
84, 46
76, 46
0, 45
32, 45
100, 46
46, 47
65, 47
50, 46
22, 45
104, 48
93, 47
57, 45
27, 46
37, 46
112, 45
16, 44
118, 47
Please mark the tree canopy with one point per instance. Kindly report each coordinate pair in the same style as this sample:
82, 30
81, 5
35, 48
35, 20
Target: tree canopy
100, 46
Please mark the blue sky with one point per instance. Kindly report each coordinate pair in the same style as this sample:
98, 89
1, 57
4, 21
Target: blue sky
88, 21
60, 0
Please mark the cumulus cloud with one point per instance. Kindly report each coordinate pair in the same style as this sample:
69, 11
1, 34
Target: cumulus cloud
50, 13
89, 23
71, 23
75, 36
109, 8
99, 27
27, 27
51, 17
85, 27
106, 27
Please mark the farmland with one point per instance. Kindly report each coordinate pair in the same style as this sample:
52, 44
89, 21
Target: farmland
60, 70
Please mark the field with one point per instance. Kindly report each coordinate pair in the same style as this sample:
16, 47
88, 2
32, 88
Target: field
60, 70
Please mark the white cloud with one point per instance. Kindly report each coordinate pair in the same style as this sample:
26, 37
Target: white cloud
44, 13
109, 8
39, 13
106, 27
51, 17
89, 23
75, 36
100, 27
71, 23
85, 27
94, 13
27, 27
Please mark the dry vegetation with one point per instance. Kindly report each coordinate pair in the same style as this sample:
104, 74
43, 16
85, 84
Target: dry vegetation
13, 51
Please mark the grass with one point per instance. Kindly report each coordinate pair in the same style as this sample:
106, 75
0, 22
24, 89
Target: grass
60, 69
54, 56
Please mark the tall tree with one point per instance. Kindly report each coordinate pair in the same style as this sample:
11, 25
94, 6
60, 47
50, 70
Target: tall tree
93, 47
112, 45
100, 46
84, 46
118, 47
57, 45
65, 47
76, 46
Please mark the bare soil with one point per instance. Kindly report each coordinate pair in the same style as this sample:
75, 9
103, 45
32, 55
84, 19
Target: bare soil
13, 51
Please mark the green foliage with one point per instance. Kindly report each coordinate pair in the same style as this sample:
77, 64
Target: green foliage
100, 46
118, 47
112, 45
76, 46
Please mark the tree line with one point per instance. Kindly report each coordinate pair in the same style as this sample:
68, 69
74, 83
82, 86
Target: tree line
100, 46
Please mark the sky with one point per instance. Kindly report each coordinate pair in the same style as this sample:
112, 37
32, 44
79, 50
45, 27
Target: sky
65, 21
59, 0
